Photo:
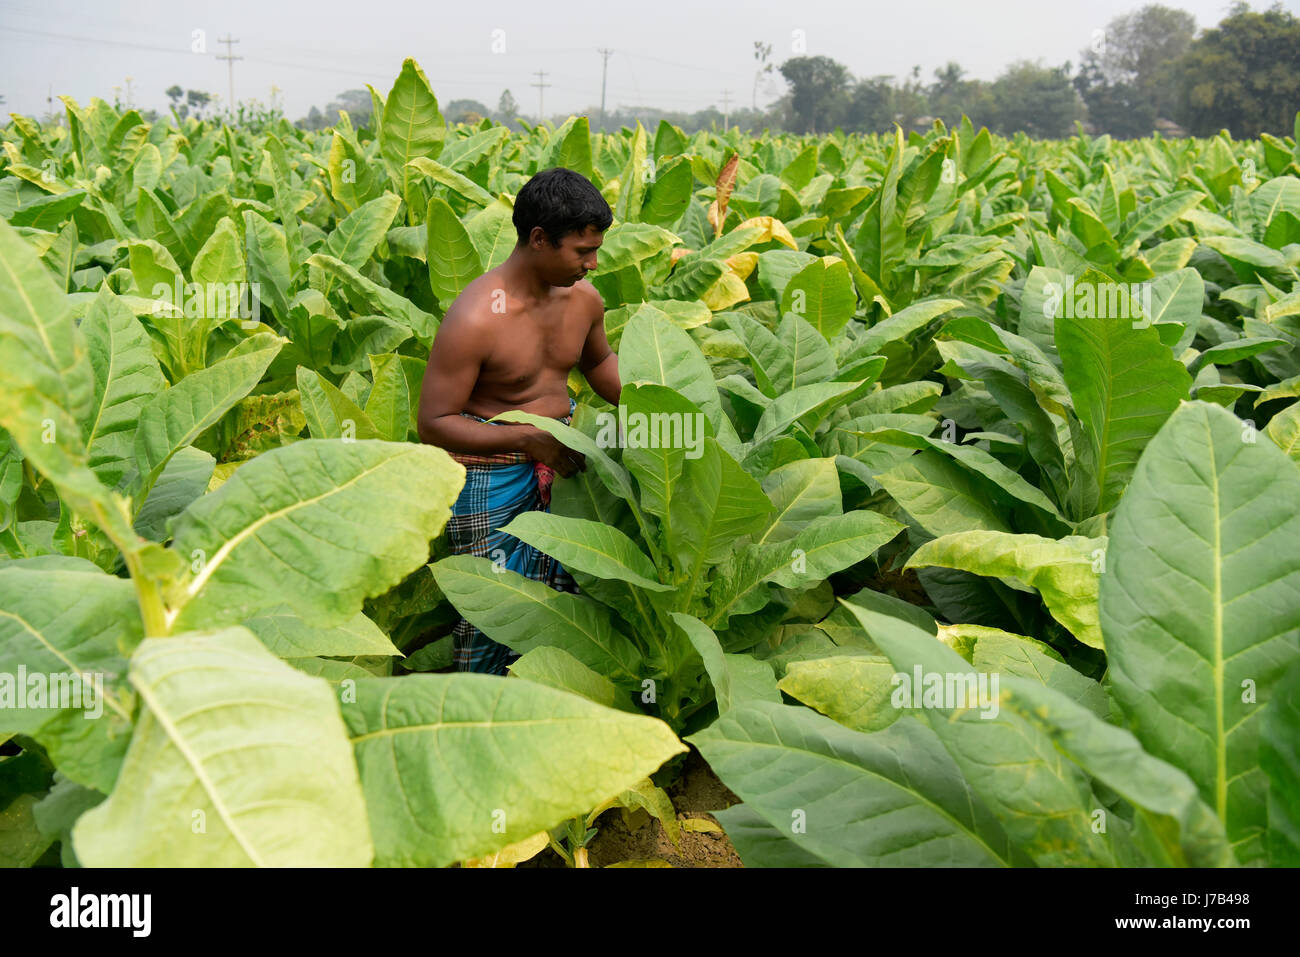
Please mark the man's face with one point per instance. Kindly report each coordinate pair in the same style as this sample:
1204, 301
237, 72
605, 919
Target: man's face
575, 257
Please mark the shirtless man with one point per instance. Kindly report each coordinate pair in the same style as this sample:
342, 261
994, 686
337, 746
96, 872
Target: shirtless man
509, 341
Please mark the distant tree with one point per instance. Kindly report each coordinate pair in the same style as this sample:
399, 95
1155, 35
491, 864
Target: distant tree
818, 89
869, 106
356, 103
507, 108
315, 120
175, 93
1037, 99
197, 101
1241, 76
952, 96
910, 100
1122, 77
464, 111
947, 89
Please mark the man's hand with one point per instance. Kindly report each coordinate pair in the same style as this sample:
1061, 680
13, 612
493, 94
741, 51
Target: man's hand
547, 449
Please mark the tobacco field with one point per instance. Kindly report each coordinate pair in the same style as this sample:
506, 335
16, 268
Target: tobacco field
1018, 414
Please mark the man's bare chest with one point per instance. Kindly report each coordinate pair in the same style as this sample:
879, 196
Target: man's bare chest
524, 346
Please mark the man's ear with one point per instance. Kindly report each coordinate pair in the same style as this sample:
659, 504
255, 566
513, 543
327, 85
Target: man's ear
537, 238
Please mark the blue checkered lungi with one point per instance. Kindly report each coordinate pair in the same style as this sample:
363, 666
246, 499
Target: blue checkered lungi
497, 489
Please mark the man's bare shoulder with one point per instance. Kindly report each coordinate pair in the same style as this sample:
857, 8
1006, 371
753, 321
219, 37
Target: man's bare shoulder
589, 296
471, 312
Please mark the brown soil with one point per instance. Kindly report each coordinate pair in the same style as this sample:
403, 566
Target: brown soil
696, 792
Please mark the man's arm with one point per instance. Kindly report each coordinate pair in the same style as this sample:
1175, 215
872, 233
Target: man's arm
599, 363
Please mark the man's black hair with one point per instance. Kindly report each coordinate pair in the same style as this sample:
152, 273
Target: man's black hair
561, 202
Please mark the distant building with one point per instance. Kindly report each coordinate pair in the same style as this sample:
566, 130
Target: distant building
1170, 129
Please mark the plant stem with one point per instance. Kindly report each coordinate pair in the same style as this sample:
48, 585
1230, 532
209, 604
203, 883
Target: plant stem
152, 609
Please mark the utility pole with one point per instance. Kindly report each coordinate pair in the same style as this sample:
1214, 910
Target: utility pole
230, 67
726, 108
541, 85
129, 96
604, 70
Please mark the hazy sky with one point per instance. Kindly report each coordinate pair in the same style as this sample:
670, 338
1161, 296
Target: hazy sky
672, 54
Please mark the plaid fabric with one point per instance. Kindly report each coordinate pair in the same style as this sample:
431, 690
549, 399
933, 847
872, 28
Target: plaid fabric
496, 492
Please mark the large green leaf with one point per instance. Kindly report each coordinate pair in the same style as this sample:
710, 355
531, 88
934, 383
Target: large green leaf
613, 475
1022, 657
801, 492
126, 378
735, 678
453, 261
238, 760
657, 351
900, 325
854, 690
1125, 383
354, 177
454, 181
354, 239
457, 766
330, 413
524, 614
556, 668
1279, 756
1176, 826
1042, 800
288, 636
570, 147
294, 526
719, 502
411, 127
806, 404
825, 546
378, 299
629, 244
175, 417
822, 293
1064, 571
1153, 216
268, 262
892, 798
588, 547
21, 840
394, 399
49, 380
759, 844
942, 496
1198, 605
633, 179
658, 466
185, 478
60, 622
493, 232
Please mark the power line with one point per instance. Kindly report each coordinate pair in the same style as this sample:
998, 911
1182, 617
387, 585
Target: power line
683, 66
541, 85
376, 76
230, 66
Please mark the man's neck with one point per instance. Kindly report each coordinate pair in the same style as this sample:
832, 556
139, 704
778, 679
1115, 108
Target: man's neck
522, 279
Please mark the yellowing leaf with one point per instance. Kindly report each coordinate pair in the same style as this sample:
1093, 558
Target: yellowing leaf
725, 293
512, 854
742, 264
772, 228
